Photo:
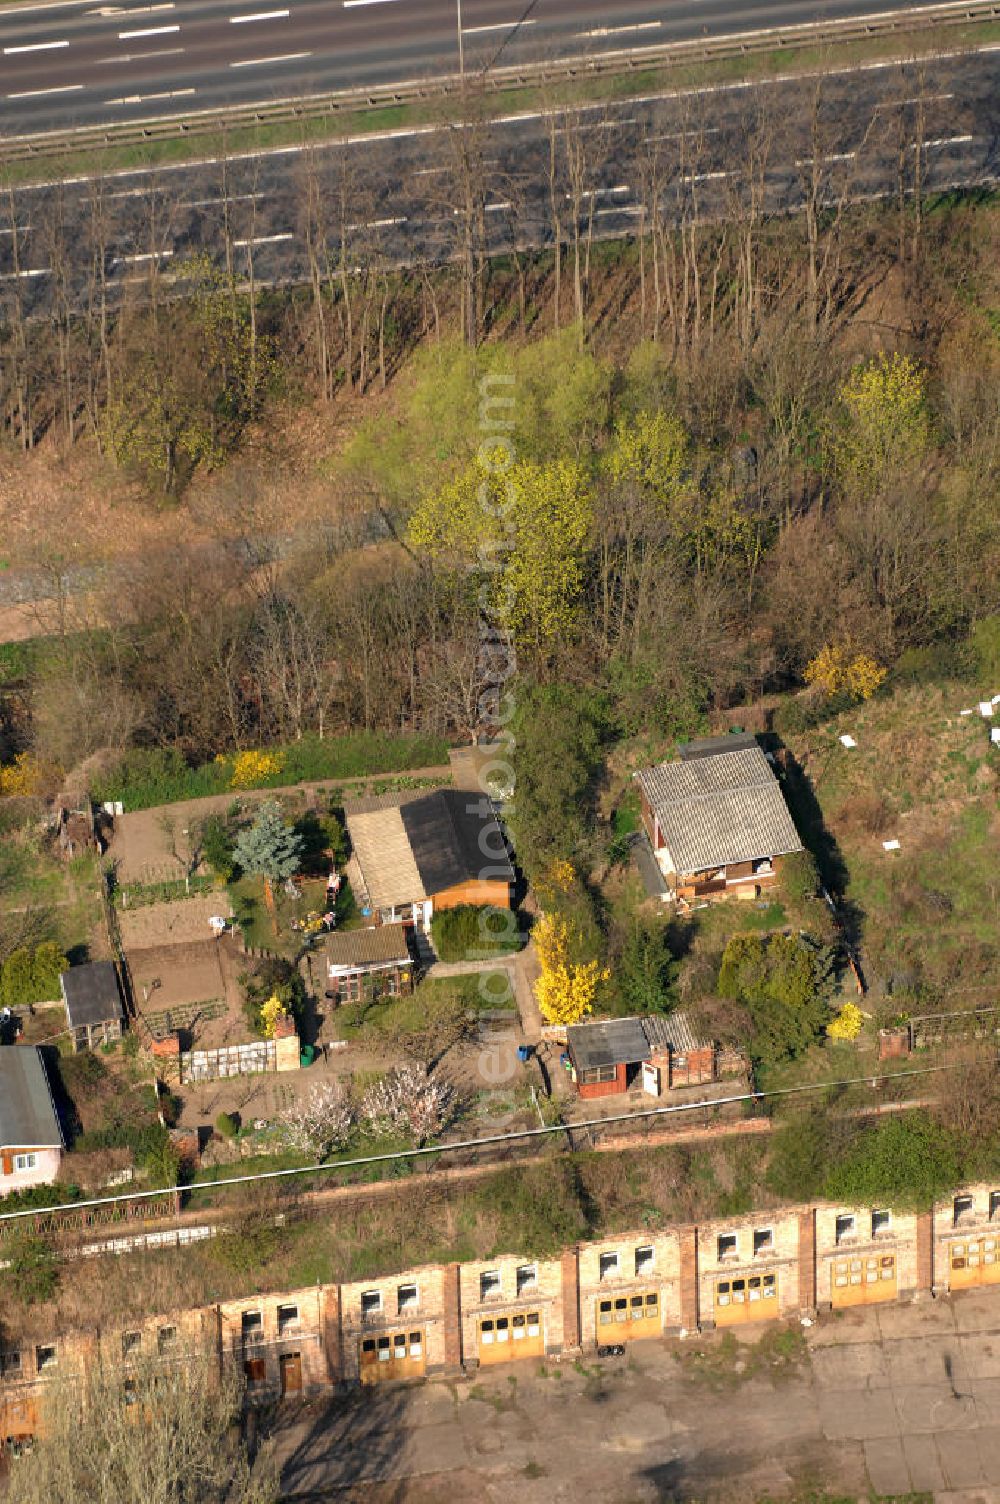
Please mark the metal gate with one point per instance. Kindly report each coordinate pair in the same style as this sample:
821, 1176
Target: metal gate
504, 1338
973, 1261
863, 1280
620, 1318
392, 1355
745, 1297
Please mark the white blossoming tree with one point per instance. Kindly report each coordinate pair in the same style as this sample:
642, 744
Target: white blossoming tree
321, 1121
409, 1101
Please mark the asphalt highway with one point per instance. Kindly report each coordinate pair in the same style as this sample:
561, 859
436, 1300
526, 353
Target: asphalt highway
84, 62
405, 193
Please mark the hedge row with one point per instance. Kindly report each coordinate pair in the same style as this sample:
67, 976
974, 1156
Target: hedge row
146, 777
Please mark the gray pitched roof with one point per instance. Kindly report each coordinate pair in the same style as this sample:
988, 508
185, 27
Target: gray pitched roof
719, 809
27, 1114
91, 994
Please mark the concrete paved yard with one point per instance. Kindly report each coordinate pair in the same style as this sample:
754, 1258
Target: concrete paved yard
902, 1401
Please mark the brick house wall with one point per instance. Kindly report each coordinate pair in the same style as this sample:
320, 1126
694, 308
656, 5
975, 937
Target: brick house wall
635, 1285
636, 1274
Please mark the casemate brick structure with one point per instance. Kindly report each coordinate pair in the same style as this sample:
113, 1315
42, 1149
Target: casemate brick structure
454, 1318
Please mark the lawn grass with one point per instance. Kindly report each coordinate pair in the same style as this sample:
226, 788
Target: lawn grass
928, 915
33, 877
432, 1001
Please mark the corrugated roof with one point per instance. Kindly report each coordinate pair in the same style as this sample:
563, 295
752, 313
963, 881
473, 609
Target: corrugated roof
371, 947
382, 848
672, 1032
27, 1113
408, 852
715, 810
91, 993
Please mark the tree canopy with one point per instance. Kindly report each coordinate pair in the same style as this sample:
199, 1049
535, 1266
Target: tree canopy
784, 982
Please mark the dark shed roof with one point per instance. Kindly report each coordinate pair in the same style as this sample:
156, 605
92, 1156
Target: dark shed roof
371, 947
27, 1115
613, 1041
711, 746
627, 1041
455, 838
91, 994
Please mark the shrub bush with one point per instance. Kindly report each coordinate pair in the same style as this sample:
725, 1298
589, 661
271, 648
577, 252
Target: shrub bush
906, 1161
471, 932
32, 976
145, 777
227, 1125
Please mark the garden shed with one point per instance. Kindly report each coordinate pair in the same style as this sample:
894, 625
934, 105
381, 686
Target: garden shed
94, 1011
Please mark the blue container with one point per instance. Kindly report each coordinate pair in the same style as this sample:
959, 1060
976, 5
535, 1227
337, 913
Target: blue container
524, 1053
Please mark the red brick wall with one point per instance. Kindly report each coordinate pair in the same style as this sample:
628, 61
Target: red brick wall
700, 1067
605, 1088
807, 1259
333, 1333
688, 1283
571, 1298
452, 1317
925, 1251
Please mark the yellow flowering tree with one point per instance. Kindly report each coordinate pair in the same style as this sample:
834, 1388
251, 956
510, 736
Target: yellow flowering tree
528, 525
24, 776
271, 1014
252, 768
885, 427
836, 670
848, 1023
566, 989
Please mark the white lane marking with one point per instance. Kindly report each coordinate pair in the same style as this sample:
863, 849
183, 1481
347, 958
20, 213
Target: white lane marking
107, 11
41, 271
619, 209
834, 156
148, 31
946, 141
142, 98
917, 99
495, 208
143, 256
34, 47
264, 240
705, 177
260, 15
600, 192
259, 62
37, 93
350, 4
471, 31
613, 31
696, 135
380, 224
234, 198
138, 57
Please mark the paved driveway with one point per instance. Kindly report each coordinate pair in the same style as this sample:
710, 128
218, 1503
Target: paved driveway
898, 1401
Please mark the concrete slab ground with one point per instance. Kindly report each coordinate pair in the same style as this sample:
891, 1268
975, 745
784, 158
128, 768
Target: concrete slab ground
894, 1403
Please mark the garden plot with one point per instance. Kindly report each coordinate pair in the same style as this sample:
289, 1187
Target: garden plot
179, 922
